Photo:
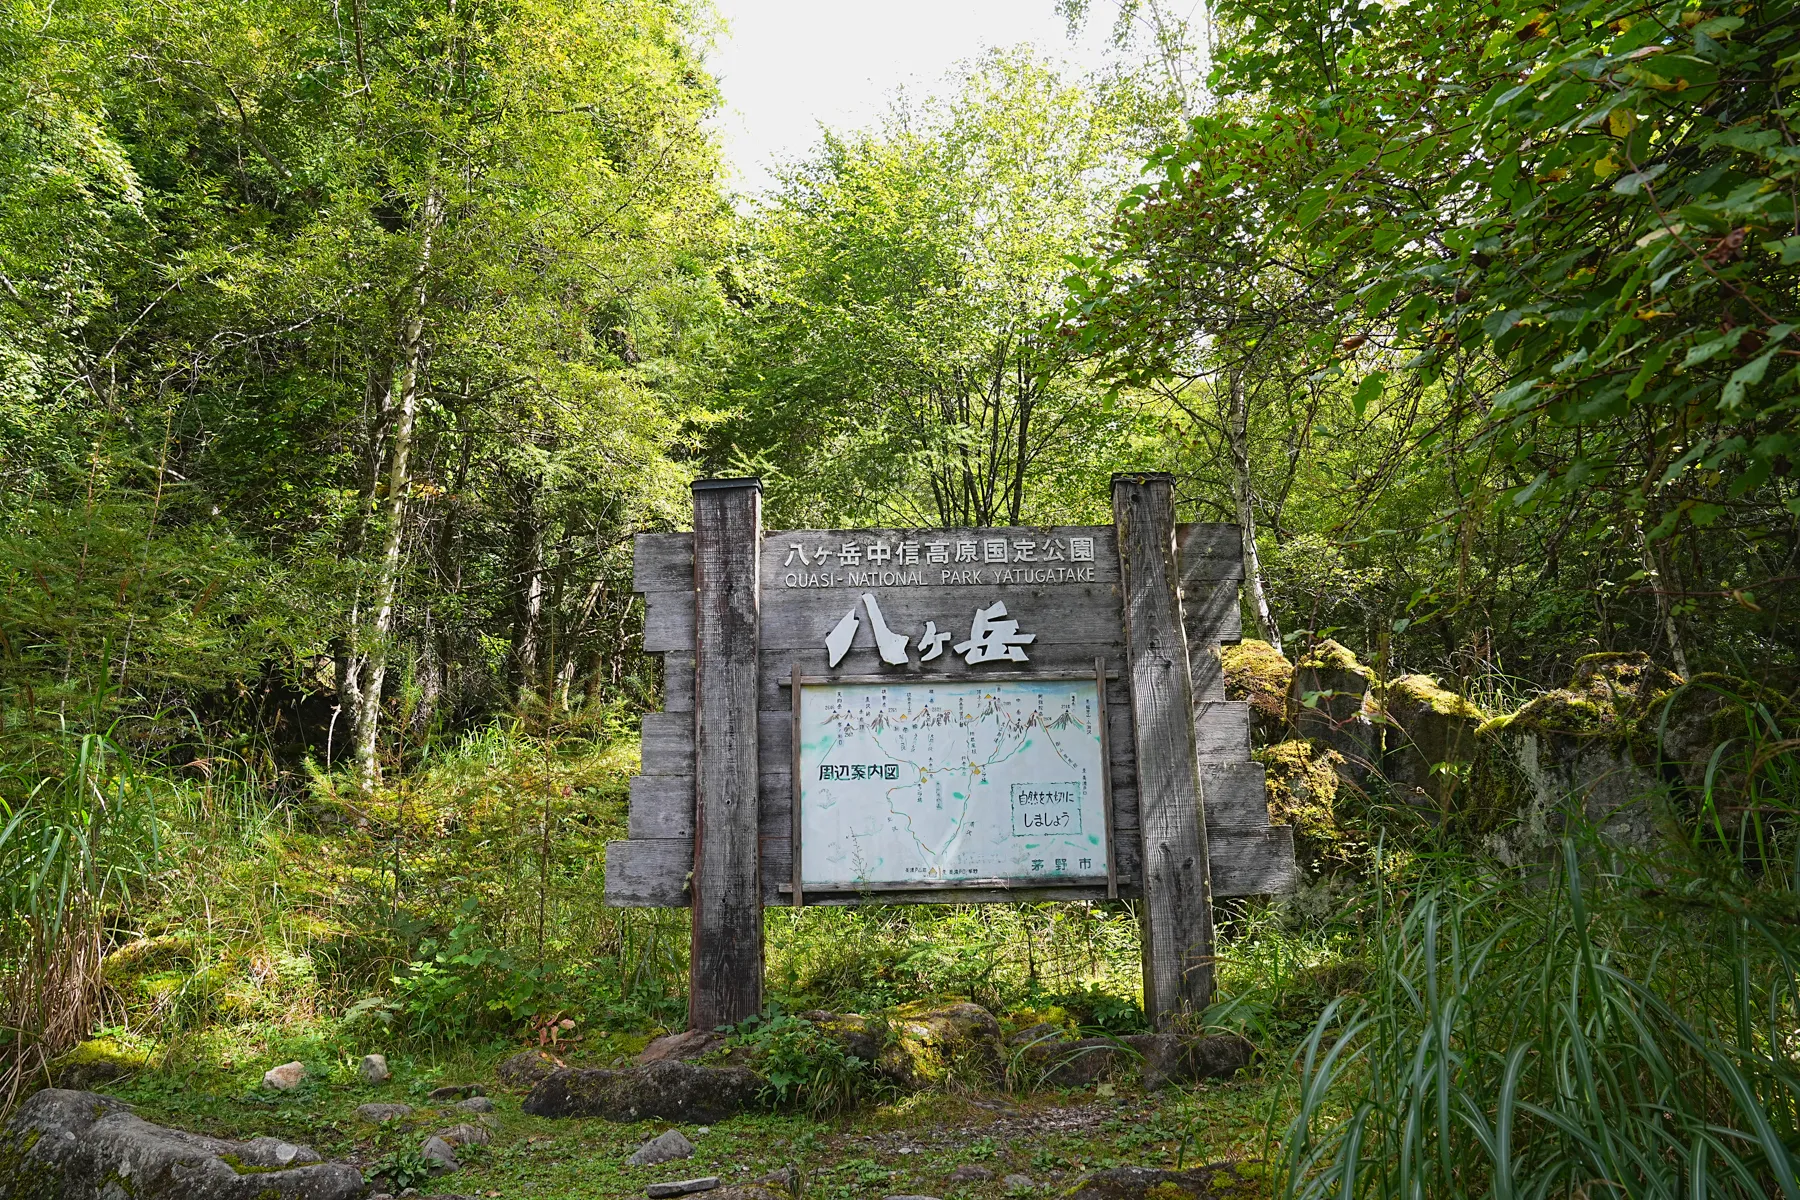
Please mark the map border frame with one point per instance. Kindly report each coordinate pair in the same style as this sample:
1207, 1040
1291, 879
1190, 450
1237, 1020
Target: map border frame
1098, 676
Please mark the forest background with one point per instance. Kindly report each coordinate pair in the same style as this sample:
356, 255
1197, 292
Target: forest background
344, 348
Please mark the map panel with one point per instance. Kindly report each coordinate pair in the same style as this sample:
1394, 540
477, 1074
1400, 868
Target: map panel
936, 784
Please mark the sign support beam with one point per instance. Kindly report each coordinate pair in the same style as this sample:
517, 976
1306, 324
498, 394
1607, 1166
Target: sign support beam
726, 961
1177, 881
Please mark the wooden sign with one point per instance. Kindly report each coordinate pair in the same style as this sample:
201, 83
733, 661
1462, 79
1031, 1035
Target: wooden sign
964, 715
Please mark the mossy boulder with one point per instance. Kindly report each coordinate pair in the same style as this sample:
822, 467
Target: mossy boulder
1304, 779
1428, 739
1583, 748
98, 1061
1259, 674
1331, 702
958, 1044
73, 1145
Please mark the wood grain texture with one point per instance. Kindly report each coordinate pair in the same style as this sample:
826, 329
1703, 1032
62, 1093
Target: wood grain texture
668, 621
653, 873
1237, 797
780, 558
666, 743
1077, 614
1177, 909
1212, 611
726, 962
662, 562
649, 873
662, 806
678, 683
1208, 670
1222, 730
1209, 551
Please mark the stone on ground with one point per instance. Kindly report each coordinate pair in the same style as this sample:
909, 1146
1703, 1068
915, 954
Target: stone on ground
375, 1114
1017, 1183
67, 1145
1215, 1182
909, 1198
374, 1069
785, 1179
465, 1135
681, 1187
668, 1091
970, 1173
664, 1147
456, 1091
435, 1147
284, 1077
528, 1067
680, 1047
476, 1104
1034, 1035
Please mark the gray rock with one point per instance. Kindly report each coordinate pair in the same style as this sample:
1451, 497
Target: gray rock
970, 1173
786, 1179
528, 1067
909, 1197
1169, 1058
456, 1091
285, 1077
465, 1135
375, 1114
680, 1047
476, 1104
67, 1145
681, 1187
1018, 1183
664, 1147
374, 1069
668, 1091
437, 1148
1041, 1033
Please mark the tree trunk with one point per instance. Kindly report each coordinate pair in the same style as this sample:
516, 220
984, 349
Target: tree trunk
522, 675
1237, 428
373, 640
1661, 583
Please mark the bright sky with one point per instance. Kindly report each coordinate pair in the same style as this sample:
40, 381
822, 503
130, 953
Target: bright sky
787, 66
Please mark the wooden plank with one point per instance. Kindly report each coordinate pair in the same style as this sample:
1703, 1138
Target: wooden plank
648, 873
666, 743
662, 806
1177, 909
1052, 552
726, 960
1222, 730
1251, 862
678, 683
796, 694
652, 873
1212, 612
1237, 796
1205, 665
662, 562
668, 621
1071, 659
776, 744
1209, 551
1085, 614
1106, 792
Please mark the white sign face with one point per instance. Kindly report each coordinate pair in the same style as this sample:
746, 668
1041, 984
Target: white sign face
932, 784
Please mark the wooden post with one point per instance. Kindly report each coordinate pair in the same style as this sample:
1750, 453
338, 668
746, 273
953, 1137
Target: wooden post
726, 964
1177, 878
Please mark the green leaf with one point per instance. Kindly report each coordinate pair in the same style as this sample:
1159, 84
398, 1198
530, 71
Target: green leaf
1368, 390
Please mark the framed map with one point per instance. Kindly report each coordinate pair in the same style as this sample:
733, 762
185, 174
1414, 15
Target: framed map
953, 782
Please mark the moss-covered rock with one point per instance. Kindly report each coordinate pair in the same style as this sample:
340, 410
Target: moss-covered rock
930, 1046
1428, 739
1330, 700
1258, 673
1304, 779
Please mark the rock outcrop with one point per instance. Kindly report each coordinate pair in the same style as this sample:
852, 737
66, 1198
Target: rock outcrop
1215, 1182
666, 1090
66, 1145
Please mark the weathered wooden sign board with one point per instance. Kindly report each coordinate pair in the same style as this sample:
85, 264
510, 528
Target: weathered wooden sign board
944, 716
